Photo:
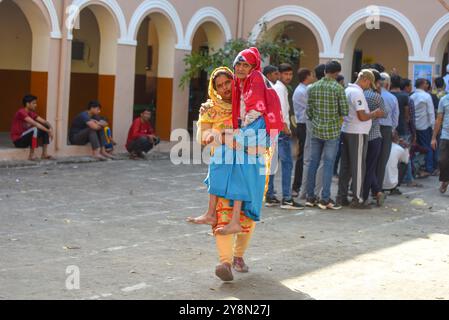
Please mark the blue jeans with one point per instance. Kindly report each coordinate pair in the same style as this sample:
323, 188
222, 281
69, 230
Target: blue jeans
424, 139
286, 159
326, 151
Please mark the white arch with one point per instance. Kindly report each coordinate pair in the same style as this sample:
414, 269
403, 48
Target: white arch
303, 13
161, 6
111, 5
386, 12
55, 29
432, 35
203, 15
41, 33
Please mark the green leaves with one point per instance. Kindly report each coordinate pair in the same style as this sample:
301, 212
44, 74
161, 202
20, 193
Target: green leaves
280, 50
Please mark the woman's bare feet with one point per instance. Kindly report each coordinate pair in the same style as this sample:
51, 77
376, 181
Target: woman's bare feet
231, 228
206, 218
33, 158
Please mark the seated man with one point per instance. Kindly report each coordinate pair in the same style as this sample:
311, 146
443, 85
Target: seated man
141, 136
31, 131
399, 158
85, 128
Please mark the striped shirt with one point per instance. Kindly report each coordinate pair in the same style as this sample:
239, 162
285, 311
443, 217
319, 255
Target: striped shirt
327, 104
392, 105
375, 101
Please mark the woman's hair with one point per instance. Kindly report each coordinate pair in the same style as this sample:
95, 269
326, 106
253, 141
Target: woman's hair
220, 73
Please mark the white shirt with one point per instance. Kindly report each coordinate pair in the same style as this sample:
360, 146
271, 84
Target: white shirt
424, 110
282, 92
357, 102
397, 155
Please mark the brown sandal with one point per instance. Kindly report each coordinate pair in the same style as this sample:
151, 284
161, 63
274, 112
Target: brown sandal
224, 272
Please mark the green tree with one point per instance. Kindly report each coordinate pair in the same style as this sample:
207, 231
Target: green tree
280, 50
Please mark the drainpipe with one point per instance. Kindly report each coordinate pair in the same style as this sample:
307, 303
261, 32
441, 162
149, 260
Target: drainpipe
61, 76
240, 14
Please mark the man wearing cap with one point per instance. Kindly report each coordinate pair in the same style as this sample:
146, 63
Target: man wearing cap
356, 127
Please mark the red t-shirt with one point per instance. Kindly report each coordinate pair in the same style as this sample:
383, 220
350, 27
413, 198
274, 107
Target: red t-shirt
19, 125
139, 129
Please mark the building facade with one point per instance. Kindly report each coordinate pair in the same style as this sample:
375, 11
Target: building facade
130, 53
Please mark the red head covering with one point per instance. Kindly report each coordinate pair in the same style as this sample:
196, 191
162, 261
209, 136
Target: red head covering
256, 95
251, 56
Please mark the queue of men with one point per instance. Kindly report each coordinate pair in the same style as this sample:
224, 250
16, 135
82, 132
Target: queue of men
376, 134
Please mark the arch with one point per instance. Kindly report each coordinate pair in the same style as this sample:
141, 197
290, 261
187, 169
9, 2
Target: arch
393, 17
92, 77
206, 14
318, 27
112, 6
40, 24
55, 29
24, 59
161, 6
434, 37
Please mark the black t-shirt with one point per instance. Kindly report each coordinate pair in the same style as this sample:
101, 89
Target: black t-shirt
403, 100
436, 102
79, 123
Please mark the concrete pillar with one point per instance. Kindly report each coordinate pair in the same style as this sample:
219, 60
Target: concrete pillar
180, 104
62, 110
53, 89
124, 93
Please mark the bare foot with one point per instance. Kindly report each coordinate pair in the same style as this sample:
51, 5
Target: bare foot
229, 229
443, 187
100, 158
107, 155
204, 219
414, 184
424, 174
33, 158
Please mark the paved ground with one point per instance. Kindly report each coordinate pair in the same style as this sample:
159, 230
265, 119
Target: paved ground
122, 224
